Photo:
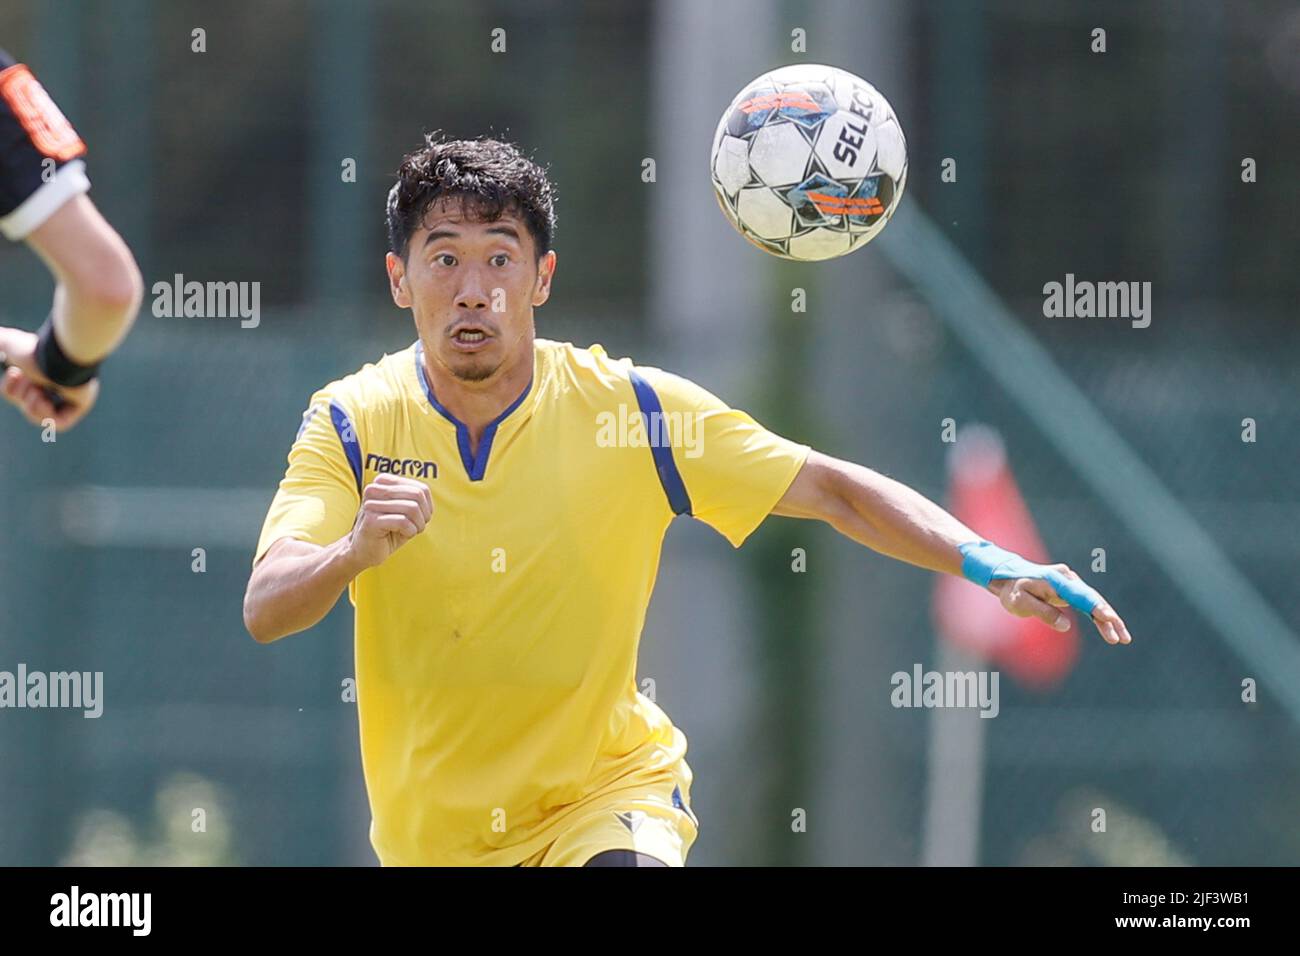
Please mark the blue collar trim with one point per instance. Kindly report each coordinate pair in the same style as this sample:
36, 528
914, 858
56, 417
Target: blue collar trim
475, 465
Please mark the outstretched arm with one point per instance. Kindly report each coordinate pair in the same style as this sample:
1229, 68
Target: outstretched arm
893, 519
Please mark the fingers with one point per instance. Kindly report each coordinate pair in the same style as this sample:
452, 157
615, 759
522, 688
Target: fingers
397, 506
1044, 591
11, 386
28, 397
394, 488
398, 524
393, 511
1111, 625
77, 403
1019, 598
1065, 589
32, 398
412, 511
36, 405
1072, 590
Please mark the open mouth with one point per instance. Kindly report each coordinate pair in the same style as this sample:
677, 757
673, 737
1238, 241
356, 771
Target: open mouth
470, 337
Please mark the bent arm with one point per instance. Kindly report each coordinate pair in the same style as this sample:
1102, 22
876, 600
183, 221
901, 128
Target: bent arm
297, 582
99, 286
295, 585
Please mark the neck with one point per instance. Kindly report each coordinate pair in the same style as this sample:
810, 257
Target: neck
479, 403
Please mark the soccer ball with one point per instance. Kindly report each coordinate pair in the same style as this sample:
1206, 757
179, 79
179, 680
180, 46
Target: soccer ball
809, 162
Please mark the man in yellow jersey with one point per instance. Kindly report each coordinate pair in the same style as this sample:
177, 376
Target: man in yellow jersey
495, 505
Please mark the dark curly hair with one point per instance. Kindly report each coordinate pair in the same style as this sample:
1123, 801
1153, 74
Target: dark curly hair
487, 176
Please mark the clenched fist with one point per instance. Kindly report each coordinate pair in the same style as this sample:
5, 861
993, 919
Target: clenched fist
393, 511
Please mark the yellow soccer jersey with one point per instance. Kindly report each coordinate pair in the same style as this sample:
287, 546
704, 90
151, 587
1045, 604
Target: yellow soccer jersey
496, 651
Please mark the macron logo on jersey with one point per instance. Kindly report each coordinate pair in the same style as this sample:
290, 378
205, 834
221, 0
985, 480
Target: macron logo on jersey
380, 464
403, 467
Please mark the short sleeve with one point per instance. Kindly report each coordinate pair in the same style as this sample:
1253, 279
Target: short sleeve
40, 168
320, 493
734, 470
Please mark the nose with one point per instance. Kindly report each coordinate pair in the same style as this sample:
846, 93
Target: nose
473, 292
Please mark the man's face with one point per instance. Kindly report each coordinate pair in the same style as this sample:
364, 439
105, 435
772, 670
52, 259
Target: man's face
472, 287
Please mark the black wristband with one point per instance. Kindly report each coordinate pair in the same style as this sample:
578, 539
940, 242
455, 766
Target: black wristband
55, 365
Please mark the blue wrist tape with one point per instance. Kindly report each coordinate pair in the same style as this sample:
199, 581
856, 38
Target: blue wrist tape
983, 562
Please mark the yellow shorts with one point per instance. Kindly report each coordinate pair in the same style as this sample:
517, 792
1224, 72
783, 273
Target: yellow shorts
657, 821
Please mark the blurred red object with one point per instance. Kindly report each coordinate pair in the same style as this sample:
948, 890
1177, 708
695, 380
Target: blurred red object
983, 494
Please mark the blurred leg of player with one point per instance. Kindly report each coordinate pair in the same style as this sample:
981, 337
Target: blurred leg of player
623, 858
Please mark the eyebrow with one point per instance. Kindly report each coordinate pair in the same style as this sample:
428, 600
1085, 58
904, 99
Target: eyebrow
504, 230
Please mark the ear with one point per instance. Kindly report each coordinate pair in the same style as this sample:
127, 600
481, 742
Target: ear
545, 272
397, 280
